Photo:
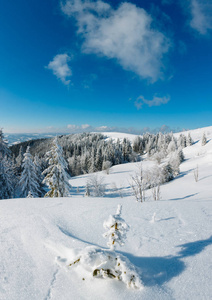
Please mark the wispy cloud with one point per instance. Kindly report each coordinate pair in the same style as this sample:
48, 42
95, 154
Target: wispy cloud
60, 68
201, 15
125, 35
156, 101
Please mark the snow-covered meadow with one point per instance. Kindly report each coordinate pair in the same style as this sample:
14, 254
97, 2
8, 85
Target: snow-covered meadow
169, 241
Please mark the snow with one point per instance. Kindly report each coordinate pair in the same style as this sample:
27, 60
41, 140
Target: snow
117, 135
169, 241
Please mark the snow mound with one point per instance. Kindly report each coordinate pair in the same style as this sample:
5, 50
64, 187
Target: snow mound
100, 263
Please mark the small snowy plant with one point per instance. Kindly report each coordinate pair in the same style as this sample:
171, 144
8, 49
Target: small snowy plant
116, 229
30, 195
102, 263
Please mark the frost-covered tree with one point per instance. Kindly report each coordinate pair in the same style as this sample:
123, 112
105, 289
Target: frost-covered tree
4, 150
174, 162
189, 141
116, 229
172, 146
38, 171
167, 173
137, 184
56, 176
19, 160
106, 166
95, 186
180, 155
29, 182
7, 178
181, 142
204, 139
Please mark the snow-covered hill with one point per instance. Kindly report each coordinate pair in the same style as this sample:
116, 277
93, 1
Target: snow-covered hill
170, 241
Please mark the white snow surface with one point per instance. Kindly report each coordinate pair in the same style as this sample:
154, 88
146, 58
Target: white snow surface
169, 241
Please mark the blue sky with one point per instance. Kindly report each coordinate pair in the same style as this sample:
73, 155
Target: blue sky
72, 65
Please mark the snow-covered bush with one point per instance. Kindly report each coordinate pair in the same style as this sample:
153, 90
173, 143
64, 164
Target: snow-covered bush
116, 229
101, 263
96, 186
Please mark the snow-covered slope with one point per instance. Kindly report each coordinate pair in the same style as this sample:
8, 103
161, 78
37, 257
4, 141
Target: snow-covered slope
117, 135
170, 241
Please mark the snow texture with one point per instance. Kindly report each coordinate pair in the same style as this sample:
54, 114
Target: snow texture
169, 243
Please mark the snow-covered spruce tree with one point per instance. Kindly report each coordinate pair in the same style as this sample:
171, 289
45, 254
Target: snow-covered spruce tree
103, 263
189, 141
180, 155
38, 171
29, 182
19, 160
167, 173
172, 146
174, 162
7, 178
56, 176
204, 139
116, 229
4, 150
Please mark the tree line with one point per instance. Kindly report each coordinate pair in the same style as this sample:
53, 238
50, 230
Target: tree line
43, 167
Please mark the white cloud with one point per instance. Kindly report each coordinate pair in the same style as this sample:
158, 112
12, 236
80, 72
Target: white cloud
60, 68
125, 34
78, 128
156, 101
201, 15
85, 126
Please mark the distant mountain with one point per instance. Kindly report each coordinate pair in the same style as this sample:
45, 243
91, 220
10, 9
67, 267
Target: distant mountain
16, 138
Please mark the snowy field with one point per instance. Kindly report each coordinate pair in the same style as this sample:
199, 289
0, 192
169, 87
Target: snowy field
170, 241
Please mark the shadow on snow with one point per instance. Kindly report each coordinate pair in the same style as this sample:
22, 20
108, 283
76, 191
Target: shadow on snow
158, 270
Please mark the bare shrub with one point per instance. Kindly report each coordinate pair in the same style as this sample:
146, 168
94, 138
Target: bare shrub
95, 186
156, 193
137, 185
